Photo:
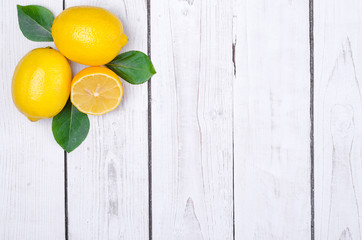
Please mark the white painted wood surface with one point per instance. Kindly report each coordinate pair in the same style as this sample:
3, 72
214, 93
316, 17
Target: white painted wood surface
338, 129
191, 46
272, 126
31, 162
230, 123
108, 174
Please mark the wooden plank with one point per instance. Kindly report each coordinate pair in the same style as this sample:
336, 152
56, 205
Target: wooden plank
31, 162
338, 132
271, 119
191, 43
108, 174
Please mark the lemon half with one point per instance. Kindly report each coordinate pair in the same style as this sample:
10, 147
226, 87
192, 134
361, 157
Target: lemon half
96, 90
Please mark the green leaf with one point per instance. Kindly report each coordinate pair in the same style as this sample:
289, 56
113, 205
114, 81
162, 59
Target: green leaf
35, 22
70, 127
133, 66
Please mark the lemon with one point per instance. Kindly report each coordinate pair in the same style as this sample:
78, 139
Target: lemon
88, 35
41, 83
96, 90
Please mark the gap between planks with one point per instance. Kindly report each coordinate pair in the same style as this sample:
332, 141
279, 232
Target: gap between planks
66, 216
149, 106
311, 66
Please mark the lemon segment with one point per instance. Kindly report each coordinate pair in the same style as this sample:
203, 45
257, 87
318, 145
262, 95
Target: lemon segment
96, 90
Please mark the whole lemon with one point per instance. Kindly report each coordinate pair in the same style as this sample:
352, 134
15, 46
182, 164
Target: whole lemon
88, 35
41, 83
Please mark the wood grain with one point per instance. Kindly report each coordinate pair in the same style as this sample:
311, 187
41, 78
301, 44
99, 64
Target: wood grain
271, 120
230, 129
338, 132
31, 162
108, 174
191, 43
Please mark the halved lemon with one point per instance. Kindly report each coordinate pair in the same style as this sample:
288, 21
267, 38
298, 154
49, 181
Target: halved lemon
96, 90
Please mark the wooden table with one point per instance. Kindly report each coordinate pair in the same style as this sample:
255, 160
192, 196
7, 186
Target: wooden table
251, 129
